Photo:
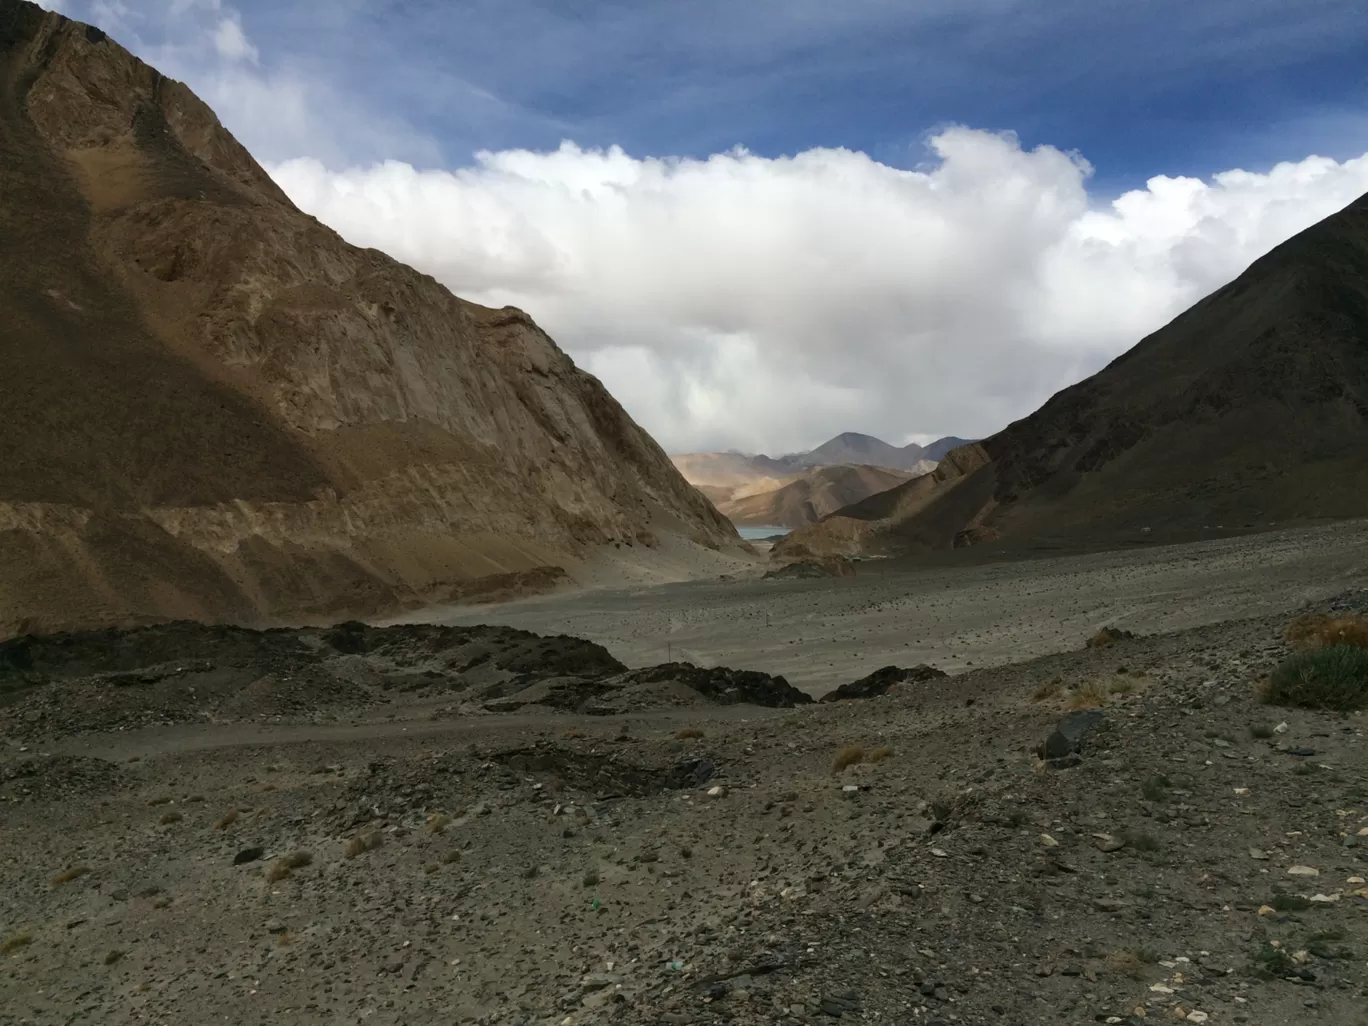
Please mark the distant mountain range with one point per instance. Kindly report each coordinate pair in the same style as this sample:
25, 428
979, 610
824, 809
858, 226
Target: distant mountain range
854, 449
802, 487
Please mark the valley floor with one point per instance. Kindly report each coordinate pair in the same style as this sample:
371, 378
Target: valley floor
1203, 862
823, 632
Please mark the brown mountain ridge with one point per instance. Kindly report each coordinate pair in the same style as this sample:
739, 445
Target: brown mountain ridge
1248, 409
216, 408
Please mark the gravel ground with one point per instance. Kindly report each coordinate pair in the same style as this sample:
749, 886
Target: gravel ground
1200, 858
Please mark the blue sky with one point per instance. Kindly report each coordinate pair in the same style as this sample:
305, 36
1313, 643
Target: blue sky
944, 212
1140, 88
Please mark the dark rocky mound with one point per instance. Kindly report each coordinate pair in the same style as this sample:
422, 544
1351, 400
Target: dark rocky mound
121, 678
812, 569
56, 778
722, 686
878, 682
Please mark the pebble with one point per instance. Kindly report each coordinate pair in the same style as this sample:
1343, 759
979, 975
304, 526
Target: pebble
1303, 871
1048, 841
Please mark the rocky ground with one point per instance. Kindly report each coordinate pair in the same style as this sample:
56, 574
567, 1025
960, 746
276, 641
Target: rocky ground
403, 857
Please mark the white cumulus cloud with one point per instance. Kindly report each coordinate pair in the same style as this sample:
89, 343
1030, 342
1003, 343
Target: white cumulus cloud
768, 304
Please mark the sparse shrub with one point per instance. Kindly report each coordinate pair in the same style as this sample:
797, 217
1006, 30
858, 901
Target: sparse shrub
1092, 695
1270, 962
878, 754
1108, 636
367, 840
1262, 731
281, 867
1334, 678
15, 941
112, 956
591, 878
67, 875
1123, 686
1321, 630
1290, 903
1322, 945
1050, 689
572, 733
1156, 788
688, 733
850, 755
227, 819
1138, 840
1131, 962
437, 822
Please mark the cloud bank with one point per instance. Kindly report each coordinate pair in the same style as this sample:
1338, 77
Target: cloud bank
767, 304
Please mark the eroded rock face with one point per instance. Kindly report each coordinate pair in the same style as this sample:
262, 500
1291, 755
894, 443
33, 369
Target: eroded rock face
216, 408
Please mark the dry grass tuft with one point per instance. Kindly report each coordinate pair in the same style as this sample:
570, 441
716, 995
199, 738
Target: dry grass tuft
1050, 689
572, 733
67, 875
850, 755
686, 733
878, 754
437, 822
15, 941
1108, 636
367, 840
170, 817
227, 819
1123, 686
1128, 963
284, 940
1092, 695
282, 866
1318, 630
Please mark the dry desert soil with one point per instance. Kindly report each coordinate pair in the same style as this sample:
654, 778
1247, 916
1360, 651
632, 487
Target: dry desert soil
471, 824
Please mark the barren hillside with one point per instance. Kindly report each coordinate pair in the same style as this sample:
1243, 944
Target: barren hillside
216, 408
1249, 409
811, 495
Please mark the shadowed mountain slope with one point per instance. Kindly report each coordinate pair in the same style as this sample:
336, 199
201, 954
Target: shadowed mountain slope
1249, 408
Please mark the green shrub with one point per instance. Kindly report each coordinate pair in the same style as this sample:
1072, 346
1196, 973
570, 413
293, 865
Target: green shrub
1334, 677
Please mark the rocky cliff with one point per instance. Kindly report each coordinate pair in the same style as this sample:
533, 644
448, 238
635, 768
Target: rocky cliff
213, 407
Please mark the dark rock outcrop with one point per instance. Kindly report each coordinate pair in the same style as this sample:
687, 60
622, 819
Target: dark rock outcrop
878, 682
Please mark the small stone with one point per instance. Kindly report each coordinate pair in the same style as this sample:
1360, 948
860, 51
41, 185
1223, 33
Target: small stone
1325, 899
1281, 728
1258, 853
248, 855
1196, 1016
1106, 842
717, 791
940, 853
1302, 752
1356, 880
1303, 871
1267, 910
1048, 841
275, 926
